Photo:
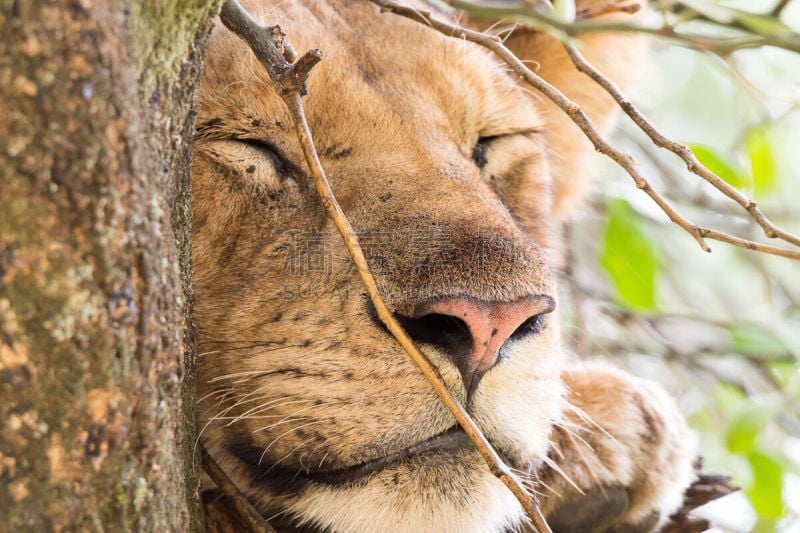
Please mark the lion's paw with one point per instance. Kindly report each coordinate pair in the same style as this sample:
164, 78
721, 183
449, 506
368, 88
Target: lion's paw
621, 459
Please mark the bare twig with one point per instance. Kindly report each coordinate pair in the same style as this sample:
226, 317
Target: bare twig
247, 514
605, 9
580, 119
496, 465
719, 45
778, 9
706, 488
234, 17
270, 49
682, 151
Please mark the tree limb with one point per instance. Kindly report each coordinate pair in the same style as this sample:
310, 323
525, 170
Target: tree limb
245, 511
778, 9
720, 45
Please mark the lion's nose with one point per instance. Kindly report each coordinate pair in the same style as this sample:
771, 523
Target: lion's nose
474, 332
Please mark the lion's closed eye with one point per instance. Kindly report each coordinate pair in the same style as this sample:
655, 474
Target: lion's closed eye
489, 142
265, 150
251, 160
497, 155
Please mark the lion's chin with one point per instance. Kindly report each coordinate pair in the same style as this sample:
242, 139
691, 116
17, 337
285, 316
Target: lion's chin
442, 490
440, 484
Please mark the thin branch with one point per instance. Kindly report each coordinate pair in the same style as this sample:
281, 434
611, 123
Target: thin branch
766, 26
245, 511
291, 94
539, 19
580, 119
606, 9
682, 151
778, 9
270, 49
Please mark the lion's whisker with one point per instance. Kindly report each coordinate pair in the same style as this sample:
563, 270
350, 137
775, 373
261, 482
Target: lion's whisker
570, 429
259, 408
224, 412
215, 392
276, 439
292, 451
588, 419
553, 466
323, 459
538, 482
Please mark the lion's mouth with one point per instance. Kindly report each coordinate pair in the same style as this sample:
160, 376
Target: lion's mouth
286, 479
448, 441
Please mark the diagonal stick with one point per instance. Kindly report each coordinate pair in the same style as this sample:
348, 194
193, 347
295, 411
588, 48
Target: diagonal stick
289, 80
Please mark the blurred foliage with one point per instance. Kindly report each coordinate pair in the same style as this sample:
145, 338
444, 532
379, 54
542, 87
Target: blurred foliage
748, 338
721, 330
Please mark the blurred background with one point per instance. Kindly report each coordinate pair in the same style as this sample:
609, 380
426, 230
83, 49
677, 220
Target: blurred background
720, 330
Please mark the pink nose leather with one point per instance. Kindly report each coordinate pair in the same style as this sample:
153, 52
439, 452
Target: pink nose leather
490, 325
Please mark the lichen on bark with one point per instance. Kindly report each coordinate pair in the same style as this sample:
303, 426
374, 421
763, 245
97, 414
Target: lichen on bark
96, 117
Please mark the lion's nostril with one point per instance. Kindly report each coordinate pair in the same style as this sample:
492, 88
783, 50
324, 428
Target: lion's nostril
448, 332
531, 326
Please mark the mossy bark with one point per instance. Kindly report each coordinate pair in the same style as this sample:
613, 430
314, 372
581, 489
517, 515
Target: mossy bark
96, 424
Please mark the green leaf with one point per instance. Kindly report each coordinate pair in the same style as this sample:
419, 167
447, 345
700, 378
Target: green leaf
743, 432
717, 458
765, 525
564, 10
728, 396
784, 371
765, 25
767, 488
758, 146
746, 427
753, 340
725, 169
629, 258
762, 24
787, 375
717, 13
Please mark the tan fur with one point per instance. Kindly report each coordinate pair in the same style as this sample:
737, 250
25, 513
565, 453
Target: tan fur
295, 376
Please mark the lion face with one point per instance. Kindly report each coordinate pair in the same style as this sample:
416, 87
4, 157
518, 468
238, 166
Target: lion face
438, 158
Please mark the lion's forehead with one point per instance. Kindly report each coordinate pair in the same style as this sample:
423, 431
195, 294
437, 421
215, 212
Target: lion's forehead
416, 88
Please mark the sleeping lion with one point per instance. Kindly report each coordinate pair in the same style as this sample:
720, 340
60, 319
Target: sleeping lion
456, 179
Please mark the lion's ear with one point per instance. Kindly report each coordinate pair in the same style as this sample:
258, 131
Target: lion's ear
621, 57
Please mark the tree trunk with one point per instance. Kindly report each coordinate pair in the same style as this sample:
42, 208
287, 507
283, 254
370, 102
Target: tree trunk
96, 401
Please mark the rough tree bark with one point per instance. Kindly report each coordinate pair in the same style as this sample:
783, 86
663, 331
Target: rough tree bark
96, 424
